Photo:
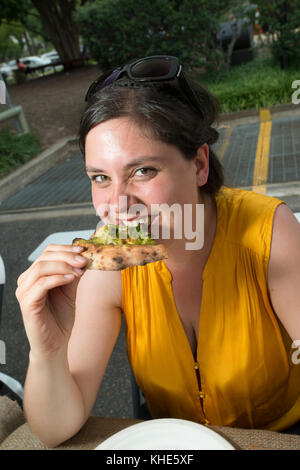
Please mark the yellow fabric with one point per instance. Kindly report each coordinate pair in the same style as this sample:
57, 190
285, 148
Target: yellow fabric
247, 377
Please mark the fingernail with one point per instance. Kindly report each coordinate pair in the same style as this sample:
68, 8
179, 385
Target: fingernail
80, 259
69, 276
78, 271
77, 249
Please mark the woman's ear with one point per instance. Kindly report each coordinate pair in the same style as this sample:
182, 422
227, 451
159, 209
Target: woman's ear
202, 164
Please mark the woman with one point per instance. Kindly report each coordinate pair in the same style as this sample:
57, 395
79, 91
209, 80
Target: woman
209, 331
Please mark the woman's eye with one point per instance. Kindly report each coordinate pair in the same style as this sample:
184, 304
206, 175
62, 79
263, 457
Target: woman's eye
99, 178
146, 172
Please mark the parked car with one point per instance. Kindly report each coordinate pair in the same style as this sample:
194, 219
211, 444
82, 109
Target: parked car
53, 56
13, 65
243, 50
6, 71
35, 61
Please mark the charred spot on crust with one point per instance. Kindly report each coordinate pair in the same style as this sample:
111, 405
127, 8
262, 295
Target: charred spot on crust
119, 262
99, 249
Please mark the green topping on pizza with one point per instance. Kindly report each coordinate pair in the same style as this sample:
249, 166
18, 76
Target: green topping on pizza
120, 235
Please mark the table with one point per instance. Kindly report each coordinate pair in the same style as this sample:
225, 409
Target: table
63, 238
16, 435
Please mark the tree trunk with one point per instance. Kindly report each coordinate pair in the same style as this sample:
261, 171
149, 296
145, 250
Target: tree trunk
56, 16
283, 58
231, 45
28, 43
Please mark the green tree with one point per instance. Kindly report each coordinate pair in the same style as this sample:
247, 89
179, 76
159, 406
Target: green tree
22, 14
52, 19
57, 17
119, 30
280, 21
11, 44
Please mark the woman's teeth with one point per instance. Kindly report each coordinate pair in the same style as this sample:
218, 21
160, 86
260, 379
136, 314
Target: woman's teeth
132, 223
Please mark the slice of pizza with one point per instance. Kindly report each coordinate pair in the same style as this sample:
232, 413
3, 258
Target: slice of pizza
114, 247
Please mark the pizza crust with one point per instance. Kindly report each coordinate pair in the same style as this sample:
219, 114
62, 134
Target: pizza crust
119, 257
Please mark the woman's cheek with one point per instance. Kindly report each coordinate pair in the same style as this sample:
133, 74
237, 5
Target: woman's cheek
98, 198
95, 196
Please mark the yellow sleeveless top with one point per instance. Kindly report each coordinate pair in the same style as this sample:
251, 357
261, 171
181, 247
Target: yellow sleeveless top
244, 375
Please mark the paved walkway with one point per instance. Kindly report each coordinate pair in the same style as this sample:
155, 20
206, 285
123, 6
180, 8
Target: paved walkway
262, 153
256, 154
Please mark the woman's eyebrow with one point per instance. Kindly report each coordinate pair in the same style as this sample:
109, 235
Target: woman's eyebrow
139, 161
91, 169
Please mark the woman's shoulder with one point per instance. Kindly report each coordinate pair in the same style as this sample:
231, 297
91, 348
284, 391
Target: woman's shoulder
246, 200
247, 217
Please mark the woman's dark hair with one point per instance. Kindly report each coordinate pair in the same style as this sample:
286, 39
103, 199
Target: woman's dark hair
162, 111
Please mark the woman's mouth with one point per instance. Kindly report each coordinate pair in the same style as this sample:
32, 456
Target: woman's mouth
148, 223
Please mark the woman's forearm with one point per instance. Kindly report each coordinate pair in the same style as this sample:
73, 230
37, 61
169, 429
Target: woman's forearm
53, 404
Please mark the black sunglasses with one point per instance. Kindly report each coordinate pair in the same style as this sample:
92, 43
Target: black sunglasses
155, 68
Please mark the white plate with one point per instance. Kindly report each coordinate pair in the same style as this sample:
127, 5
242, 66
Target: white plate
168, 434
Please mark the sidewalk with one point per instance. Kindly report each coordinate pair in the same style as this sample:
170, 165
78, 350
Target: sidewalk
259, 151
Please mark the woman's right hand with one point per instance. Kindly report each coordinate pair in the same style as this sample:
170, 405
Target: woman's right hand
46, 293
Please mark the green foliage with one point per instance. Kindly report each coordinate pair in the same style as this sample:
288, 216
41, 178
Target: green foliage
16, 18
260, 83
117, 31
16, 149
8, 48
280, 20
13, 10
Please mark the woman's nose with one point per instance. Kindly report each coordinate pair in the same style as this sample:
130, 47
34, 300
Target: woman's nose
110, 201
118, 201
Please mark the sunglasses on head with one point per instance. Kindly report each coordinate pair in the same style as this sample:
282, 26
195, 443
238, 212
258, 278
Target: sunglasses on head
156, 68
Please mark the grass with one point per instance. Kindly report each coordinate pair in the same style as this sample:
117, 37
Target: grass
16, 150
257, 84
